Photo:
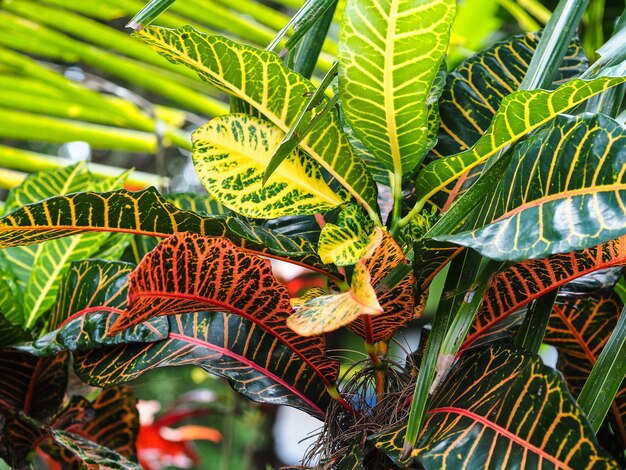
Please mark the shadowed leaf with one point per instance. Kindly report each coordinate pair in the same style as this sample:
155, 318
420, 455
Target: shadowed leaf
484, 415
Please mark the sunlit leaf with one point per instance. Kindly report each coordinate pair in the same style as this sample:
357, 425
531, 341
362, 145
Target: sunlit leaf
474, 91
562, 192
92, 454
143, 213
498, 406
389, 55
231, 280
343, 243
277, 92
230, 154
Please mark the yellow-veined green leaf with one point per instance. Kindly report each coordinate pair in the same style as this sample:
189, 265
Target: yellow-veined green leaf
230, 154
262, 80
389, 55
520, 113
343, 243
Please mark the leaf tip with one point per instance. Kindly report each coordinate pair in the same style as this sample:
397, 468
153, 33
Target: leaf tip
134, 25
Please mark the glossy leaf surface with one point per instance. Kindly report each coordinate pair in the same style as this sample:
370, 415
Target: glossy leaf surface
145, 213
562, 192
257, 362
262, 80
389, 55
513, 120
579, 328
228, 279
499, 407
523, 282
91, 454
230, 155
474, 91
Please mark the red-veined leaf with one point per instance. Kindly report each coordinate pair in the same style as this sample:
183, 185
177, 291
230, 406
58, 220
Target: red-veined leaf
33, 385
579, 328
257, 362
188, 272
523, 282
502, 408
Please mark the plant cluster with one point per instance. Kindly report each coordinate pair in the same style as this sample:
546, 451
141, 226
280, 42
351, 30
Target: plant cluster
504, 179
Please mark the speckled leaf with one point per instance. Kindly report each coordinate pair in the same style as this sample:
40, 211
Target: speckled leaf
389, 55
143, 213
230, 154
261, 79
502, 408
92, 455
579, 328
562, 192
343, 243
520, 113
330, 312
398, 303
474, 91
522, 283
257, 362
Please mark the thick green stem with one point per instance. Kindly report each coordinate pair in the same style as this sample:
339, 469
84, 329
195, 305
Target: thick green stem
533, 329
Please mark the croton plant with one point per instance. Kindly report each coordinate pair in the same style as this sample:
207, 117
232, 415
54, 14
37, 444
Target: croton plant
504, 179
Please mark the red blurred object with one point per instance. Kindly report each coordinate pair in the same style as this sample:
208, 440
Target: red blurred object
160, 446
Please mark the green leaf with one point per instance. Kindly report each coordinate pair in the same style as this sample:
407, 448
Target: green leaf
39, 269
500, 407
255, 360
235, 281
230, 154
143, 213
562, 192
389, 55
520, 113
523, 282
92, 454
262, 80
343, 243
11, 334
149, 13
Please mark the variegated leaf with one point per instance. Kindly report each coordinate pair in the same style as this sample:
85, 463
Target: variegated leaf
498, 408
520, 113
562, 192
524, 282
389, 55
144, 213
230, 154
261, 79
343, 243
330, 312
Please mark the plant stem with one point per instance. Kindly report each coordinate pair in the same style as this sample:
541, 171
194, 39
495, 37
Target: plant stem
533, 329
606, 376
311, 45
